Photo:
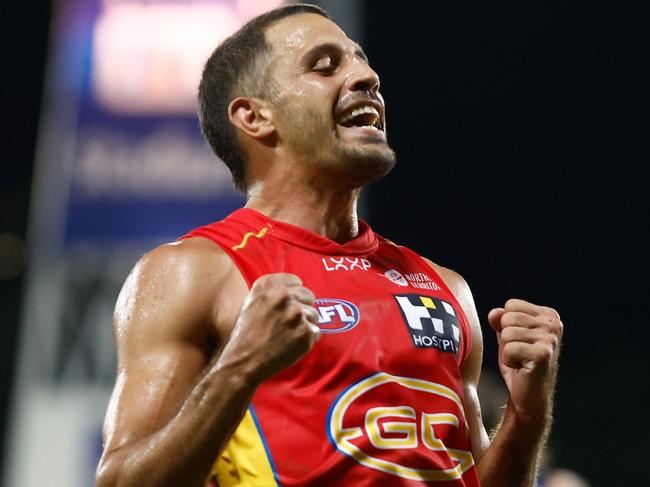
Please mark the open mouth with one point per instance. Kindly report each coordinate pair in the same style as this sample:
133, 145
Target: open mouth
363, 118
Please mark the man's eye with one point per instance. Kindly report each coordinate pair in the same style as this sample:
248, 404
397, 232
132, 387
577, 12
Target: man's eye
324, 64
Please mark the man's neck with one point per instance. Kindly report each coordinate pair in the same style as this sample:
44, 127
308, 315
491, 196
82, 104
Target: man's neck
329, 213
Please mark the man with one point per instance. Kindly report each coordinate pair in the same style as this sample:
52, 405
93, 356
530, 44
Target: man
289, 344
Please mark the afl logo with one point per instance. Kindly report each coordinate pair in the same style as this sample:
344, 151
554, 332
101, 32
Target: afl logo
381, 423
336, 315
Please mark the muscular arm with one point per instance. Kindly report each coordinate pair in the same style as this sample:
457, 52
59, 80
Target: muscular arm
168, 416
529, 340
179, 395
511, 458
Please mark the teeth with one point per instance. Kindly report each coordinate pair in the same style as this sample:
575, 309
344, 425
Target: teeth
359, 111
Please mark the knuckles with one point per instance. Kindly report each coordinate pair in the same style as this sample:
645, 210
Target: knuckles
513, 304
294, 313
308, 294
558, 326
548, 322
513, 318
311, 314
268, 281
544, 353
262, 283
274, 296
552, 312
509, 334
513, 348
277, 318
279, 297
280, 290
553, 326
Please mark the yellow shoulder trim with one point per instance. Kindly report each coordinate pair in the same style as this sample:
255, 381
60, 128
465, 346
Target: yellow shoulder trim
248, 235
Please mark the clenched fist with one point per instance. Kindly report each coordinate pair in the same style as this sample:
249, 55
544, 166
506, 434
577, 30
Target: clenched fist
277, 325
529, 341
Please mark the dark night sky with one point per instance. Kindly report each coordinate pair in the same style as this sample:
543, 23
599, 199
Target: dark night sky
522, 137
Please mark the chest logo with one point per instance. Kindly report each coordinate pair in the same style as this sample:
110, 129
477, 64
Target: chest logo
401, 426
336, 315
396, 277
345, 264
431, 322
418, 280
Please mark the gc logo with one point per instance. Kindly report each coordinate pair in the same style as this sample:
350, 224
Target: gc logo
377, 440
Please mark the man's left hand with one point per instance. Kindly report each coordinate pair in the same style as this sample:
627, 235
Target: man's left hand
529, 340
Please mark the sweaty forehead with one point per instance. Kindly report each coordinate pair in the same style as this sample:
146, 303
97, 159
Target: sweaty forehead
299, 32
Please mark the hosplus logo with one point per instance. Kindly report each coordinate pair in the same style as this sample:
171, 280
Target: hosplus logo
431, 322
401, 426
336, 315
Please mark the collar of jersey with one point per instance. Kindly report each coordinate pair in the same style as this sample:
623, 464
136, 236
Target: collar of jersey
364, 243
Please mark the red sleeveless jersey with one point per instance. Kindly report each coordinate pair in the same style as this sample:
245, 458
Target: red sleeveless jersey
378, 401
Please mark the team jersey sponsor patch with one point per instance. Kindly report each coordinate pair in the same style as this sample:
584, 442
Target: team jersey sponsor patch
396, 277
418, 280
345, 264
336, 315
431, 322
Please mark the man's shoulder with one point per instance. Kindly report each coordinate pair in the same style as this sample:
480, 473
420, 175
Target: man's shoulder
175, 291
452, 279
190, 258
184, 274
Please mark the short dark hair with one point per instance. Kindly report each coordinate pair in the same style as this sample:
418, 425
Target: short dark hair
234, 69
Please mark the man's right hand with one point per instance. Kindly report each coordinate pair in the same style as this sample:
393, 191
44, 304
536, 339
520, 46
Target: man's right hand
277, 325
176, 404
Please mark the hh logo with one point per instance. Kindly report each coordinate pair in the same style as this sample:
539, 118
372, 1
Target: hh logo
431, 322
336, 315
401, 426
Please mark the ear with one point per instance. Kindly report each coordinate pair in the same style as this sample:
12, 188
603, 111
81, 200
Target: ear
252, 116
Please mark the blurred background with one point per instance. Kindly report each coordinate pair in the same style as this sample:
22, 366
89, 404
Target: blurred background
522, 138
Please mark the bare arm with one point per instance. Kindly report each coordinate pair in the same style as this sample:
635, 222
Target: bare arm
527, 360
529, 341
178, 397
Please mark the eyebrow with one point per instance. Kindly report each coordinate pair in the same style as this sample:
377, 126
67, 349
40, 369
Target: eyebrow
331, 47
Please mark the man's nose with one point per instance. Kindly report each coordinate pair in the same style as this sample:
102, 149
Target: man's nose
362, 77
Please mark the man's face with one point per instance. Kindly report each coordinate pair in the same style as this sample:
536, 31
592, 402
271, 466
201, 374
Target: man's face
328, 107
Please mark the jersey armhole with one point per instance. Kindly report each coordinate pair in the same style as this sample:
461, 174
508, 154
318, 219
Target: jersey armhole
464, 322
